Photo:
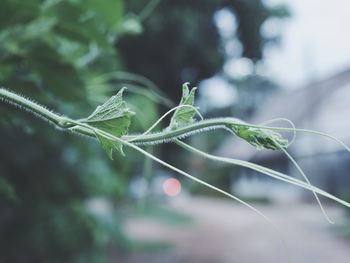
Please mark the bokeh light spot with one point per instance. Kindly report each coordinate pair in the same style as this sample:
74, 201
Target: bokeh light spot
172, 187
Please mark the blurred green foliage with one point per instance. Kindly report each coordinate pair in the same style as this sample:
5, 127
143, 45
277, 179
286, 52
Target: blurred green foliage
58, 52
51, 51
57, 44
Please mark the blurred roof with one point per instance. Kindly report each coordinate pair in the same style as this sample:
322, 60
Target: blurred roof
322, 106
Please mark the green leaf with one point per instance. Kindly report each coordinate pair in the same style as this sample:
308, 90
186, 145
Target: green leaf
109, 12
7, 190
64, 81
113, 117
184, 116
260, 138
110, 146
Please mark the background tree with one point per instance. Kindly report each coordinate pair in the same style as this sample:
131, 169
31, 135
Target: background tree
181, 43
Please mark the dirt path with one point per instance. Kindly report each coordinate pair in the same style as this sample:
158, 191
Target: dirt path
225, 232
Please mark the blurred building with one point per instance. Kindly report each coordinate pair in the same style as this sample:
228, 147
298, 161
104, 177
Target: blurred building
322, 106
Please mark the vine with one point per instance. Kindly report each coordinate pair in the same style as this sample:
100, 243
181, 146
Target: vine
109, 124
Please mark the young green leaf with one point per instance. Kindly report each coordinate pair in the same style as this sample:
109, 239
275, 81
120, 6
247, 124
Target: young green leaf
184, 116
113, 117
110, 146
260, 138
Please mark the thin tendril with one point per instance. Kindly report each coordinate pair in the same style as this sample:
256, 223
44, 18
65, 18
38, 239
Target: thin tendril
297, 165
135, 147
267, 171
286, 120
308, 181
306, 131
162, 117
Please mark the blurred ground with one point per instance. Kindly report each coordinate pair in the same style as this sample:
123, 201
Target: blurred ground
224, 231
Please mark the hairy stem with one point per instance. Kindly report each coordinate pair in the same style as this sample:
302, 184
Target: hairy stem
34, 107
166, 135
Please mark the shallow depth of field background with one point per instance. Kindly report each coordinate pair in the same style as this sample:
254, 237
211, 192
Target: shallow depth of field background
63, 200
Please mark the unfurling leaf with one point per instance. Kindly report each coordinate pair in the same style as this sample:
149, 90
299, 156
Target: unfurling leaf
260, 138
184, 115
112, 117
